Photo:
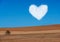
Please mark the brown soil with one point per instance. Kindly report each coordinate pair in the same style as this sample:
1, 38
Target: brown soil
55, 37
49, 33
34, 28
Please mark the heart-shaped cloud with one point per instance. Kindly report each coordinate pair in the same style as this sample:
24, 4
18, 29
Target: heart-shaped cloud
38, 12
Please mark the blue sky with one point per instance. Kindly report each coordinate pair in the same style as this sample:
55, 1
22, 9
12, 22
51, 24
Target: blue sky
15, 13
